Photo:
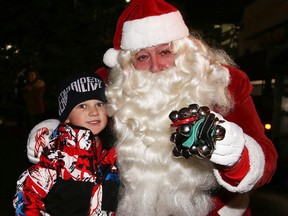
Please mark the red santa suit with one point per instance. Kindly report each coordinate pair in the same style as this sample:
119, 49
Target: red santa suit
155, 182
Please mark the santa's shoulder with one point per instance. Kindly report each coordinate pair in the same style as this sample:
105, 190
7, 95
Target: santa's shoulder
240, 84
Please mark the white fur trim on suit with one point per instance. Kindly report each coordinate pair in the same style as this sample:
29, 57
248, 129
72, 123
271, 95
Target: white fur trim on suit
236, 207
257, 164
153, 30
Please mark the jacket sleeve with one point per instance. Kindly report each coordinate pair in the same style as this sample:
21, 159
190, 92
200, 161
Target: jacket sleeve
32, 186
259, 158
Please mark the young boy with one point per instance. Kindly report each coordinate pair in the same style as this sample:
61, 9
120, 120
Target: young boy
76, 174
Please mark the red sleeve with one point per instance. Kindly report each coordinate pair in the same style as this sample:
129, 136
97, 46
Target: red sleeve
245, 115
235, 174
29, 196
34, 195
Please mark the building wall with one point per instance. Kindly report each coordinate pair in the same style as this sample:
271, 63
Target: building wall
264, 23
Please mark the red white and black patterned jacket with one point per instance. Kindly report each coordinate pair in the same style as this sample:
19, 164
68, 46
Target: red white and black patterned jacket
75, 176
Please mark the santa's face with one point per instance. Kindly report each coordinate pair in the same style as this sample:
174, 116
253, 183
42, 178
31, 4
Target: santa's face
154, 59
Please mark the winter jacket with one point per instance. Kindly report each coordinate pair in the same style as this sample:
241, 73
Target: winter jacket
75, 176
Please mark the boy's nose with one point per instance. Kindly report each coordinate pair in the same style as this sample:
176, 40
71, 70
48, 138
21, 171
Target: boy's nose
93, 111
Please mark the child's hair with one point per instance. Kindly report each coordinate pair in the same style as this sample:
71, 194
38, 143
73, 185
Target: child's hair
78, 88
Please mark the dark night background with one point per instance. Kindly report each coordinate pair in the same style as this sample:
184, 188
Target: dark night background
69, 36
64, 37
60, 37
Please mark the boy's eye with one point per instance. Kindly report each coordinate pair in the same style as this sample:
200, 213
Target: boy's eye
81, 106
101, 104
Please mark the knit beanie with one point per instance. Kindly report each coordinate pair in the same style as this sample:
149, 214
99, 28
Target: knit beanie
79, 88
146, 23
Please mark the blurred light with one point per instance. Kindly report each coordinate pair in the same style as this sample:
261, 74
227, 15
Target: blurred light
127, 1
8, 46
268, 126
284, 104
261, 82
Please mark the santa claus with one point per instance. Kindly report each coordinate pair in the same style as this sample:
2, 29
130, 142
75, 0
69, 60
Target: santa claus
216, 150
157, 66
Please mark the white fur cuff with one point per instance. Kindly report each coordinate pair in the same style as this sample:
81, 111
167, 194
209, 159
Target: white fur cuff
257, 164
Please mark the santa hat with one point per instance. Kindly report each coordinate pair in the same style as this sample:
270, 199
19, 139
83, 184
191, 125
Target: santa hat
104, 73
146, 23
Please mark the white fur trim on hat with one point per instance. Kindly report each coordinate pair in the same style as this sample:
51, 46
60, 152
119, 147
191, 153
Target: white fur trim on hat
153, 30
110, 57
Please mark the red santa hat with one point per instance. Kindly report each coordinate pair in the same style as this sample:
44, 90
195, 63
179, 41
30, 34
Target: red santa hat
146, 23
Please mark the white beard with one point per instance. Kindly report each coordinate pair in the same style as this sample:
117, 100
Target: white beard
155, 182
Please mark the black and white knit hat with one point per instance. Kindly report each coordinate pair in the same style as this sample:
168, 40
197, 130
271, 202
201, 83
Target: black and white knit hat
79, 88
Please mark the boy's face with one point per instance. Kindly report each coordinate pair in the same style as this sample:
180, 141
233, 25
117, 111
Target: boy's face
90, 114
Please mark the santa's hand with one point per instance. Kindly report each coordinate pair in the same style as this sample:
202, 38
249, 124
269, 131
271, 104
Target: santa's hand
228, 150
39, 137
196, 132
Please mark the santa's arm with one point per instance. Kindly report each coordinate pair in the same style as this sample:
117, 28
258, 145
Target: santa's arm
258, 160
39, 137
243, 157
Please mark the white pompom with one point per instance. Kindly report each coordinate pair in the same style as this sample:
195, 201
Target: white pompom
110, 57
